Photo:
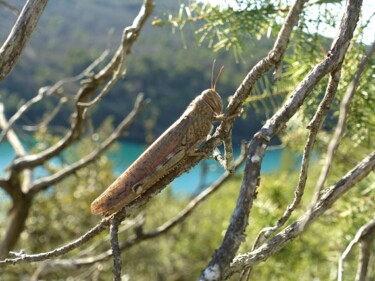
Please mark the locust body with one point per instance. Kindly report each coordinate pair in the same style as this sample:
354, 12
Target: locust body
180, 140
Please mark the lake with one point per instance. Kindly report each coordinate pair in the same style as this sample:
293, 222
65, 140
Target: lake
186, 183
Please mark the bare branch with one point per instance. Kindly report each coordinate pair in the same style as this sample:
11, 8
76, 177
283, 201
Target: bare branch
344, 108
10, 7
279, 241
89, 86
130, 35
19, 113
12, 136
364, 235
116, 252
20, 35
314, 127
364, 257
48, 118
24, 258
57, 89
19, 150
47, 181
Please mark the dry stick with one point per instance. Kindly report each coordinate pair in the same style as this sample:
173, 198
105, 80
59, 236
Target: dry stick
47, 119
88, 88
12, 136
339, 131
118, 72
363, 236
23, 258
10, 7
287, 235
314, 127
48, 91
57, 90
235, 233
116, 252
45, 182
18, 148
364, 256
20, 35
19, 113
130, 34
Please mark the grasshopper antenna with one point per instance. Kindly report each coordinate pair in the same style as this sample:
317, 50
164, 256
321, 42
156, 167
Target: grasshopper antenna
218, 76
213, 85
212, 74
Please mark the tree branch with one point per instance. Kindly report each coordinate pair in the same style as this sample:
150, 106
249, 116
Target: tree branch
88, 88
314, 127
20, 35
364, 236
279, 241
48, 91
24, 258
10, 7
339, 131
19, 150
47, 181
116, 252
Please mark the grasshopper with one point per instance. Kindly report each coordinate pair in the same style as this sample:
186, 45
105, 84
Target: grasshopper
180, 140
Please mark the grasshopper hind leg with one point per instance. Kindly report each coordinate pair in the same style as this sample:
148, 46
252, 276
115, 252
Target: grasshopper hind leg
161, 171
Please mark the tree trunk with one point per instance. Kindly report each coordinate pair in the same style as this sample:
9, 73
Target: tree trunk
16, 224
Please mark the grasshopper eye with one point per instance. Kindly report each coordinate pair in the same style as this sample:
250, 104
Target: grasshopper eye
138, 188
213, 100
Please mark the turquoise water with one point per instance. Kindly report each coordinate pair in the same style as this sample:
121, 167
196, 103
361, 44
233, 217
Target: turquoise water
187, 183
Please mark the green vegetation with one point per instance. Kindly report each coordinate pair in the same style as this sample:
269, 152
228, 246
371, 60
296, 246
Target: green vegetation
171, 76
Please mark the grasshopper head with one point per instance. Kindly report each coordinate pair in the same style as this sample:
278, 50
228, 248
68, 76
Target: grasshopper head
210, 96
213, 100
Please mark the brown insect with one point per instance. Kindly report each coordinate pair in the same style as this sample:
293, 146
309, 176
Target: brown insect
165, 154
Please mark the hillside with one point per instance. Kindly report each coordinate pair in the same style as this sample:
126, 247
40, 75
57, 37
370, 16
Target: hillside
72, 33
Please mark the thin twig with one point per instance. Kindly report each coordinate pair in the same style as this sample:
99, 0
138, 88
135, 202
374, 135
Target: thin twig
10, 7
51, 90
130, 34
88, 88
116, 252
19, 150
339, 131
314, 127
365, 231
48, 118
24, 258
45, 182
287, 235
